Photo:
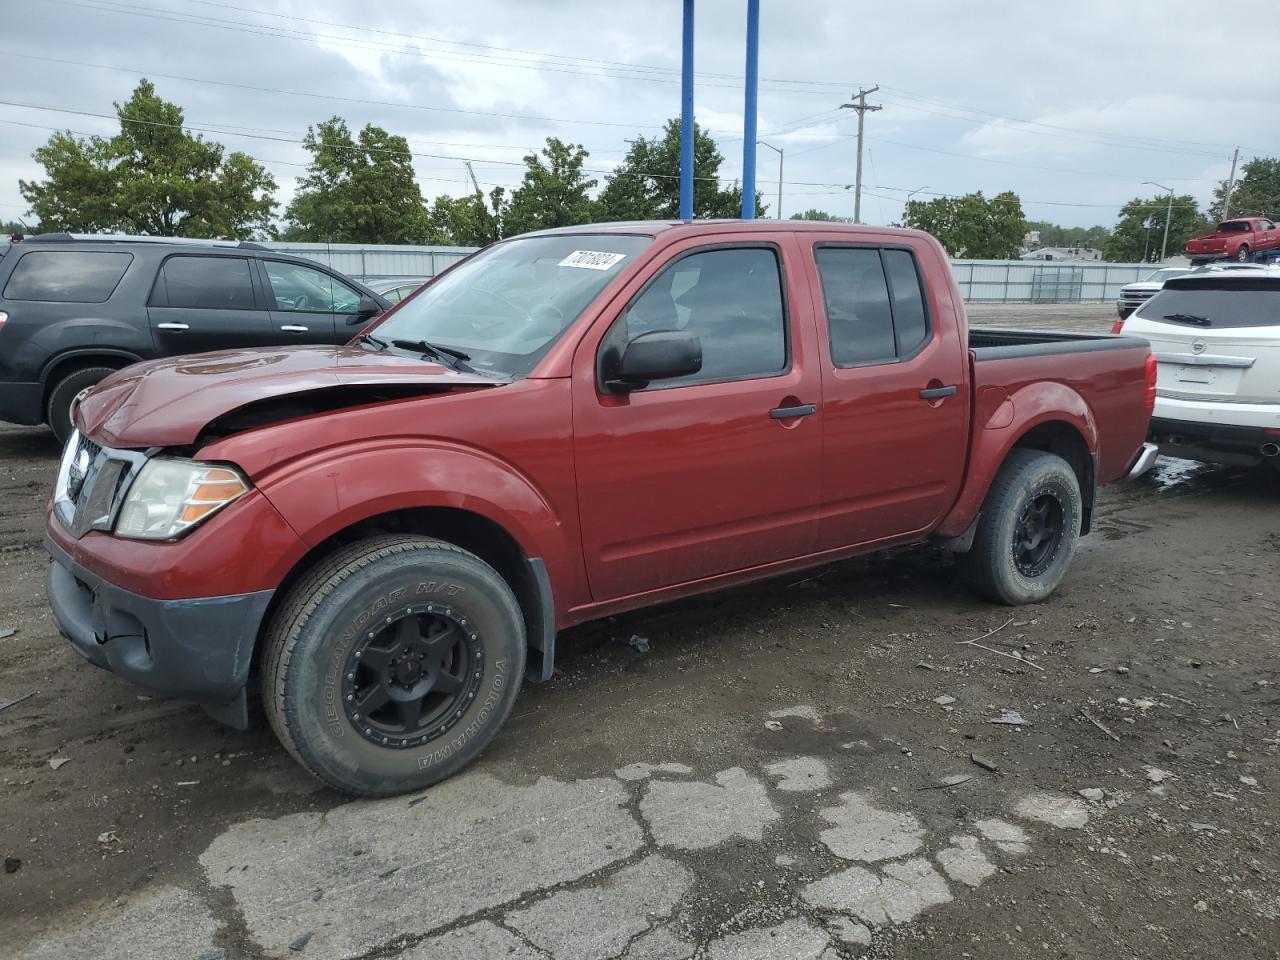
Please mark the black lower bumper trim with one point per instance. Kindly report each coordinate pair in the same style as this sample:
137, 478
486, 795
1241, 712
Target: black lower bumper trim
198, 649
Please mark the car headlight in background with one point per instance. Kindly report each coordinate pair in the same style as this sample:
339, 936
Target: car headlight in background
170, 496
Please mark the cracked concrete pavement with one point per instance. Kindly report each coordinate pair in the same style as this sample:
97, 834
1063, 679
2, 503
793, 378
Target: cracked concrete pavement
589, 869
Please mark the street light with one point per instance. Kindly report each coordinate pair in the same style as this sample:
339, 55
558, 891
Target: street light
907, 206
779, 152
1164, 246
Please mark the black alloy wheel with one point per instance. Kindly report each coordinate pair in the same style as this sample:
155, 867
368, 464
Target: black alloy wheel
410, 678
1038, 532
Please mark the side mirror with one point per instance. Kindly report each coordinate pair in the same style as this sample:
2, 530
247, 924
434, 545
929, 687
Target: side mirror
367, 310
657, 355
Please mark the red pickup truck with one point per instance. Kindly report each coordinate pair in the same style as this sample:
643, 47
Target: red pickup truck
1235, 240
387, 536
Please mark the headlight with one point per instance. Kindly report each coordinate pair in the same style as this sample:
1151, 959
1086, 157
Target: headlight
170, 496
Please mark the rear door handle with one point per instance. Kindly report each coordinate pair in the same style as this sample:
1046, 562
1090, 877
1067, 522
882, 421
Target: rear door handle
786, 413
172, 326
937, 393
294, 328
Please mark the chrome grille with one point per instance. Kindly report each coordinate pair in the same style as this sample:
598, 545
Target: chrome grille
92, 482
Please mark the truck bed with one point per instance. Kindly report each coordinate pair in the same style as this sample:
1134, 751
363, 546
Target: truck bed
989, 343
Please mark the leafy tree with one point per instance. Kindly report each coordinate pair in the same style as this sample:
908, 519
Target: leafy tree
357, 190
471, 221
151, 178
814, 213
1138, 235
972, 226
1052, 235
646, 186
1256, 193
553, 194
11, 227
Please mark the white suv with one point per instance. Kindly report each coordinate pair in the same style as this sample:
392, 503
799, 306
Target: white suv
1216, 340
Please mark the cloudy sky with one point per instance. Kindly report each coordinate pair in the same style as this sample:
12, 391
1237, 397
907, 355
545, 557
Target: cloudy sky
1071, 105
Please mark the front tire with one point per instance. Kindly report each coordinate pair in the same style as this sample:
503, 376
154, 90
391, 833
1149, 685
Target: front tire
57, 411
1028, 531
392, 664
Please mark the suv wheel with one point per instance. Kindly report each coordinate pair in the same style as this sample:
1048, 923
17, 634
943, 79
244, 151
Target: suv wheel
393, 664
57, 411
1028, 531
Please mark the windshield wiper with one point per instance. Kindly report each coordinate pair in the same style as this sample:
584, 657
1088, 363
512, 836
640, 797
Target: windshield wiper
374, 341
446, 355
1188, 318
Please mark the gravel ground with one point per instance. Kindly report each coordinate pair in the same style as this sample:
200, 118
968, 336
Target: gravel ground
787, 771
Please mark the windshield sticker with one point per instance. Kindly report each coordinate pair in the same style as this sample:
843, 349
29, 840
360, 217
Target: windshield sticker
592, 259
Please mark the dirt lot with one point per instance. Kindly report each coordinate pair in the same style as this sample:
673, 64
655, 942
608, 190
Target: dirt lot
780, 771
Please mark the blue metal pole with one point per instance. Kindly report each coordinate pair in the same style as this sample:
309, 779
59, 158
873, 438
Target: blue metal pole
749, 112
686, 117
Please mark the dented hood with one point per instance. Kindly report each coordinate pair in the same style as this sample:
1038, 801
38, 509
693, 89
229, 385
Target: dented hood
168, 402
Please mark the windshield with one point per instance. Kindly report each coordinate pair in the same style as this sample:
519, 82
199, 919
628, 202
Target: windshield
1234, 226
506, 306
1160, 276
1235, 305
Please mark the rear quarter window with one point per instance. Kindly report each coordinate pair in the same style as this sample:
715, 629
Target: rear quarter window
67, 276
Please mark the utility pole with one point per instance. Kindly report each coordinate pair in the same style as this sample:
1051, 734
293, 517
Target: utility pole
862, 107
1231, 185
686, 115
781, 156
749, 111
1164, 246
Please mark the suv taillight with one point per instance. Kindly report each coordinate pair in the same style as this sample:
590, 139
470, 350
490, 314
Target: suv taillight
1118, 325
4, 317
1150, 371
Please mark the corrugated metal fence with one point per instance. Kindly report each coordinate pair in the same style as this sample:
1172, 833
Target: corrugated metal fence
370, 262
1044, 281
981, 281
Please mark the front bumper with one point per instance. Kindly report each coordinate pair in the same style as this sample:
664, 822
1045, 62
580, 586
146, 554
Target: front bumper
22, 403
198, 649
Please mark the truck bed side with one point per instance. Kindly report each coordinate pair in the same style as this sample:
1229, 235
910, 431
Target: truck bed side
1080, 395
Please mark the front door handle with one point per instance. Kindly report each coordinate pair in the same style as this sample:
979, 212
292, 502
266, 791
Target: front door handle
786, 413
173, 326
294, 328
937, 393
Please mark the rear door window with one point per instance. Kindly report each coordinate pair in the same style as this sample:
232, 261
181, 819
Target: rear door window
67, 276
204, 283
874, 304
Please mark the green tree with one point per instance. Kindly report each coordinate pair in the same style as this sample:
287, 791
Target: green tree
1053, 235
1139, 233
151, 178
1256, 193
646, 186
471, 221
813, 213
972, 226
552, 194
357, 190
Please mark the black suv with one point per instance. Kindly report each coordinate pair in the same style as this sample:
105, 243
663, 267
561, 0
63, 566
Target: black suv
73, 309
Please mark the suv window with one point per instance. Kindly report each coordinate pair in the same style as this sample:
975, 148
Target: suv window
874, 304
67, 276
204, 283
1229, 302
295, 287
731, 298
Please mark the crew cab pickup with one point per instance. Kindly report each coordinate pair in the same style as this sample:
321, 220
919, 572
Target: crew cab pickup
386, 537
1235, 240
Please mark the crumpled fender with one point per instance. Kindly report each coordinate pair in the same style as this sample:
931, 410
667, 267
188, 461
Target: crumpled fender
1000, 420
327, 491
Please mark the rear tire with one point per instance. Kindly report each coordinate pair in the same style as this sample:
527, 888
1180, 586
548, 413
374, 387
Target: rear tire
389, 622
57, 411
1028, 530
1242, 255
